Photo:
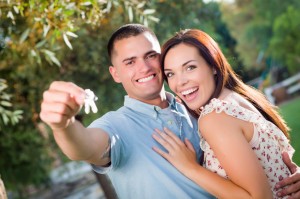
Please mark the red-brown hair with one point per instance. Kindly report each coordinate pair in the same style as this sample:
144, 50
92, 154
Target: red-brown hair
225, 77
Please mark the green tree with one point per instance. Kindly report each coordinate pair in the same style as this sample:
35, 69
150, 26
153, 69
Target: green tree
285, 43
251, 23
182, 14
42, 41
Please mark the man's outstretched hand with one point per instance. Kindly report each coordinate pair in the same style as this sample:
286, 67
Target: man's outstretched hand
293, 181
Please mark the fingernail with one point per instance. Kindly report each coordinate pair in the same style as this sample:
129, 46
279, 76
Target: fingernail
278, 194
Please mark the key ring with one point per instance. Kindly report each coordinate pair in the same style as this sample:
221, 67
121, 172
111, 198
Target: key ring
89, 101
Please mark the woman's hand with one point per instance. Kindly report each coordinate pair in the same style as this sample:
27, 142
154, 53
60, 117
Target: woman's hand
180, 154
293, 181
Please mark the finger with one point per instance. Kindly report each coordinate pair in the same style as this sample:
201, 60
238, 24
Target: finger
291, 189
55, 121
295, 196
162, 142
51, 96
58, 108
289, 180
288, 162
167, 138
161, 152
71, 88
189, 145
173, 136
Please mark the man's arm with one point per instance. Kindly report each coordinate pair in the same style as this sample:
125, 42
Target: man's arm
293, 181
61, 102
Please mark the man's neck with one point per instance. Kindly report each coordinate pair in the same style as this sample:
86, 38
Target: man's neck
160, 100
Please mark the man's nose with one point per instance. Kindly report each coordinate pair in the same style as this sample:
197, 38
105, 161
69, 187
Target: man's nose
143, 66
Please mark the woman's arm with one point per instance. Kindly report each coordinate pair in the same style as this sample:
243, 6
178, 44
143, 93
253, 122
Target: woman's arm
247, 178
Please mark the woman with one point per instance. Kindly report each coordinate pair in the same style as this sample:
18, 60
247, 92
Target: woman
242, 135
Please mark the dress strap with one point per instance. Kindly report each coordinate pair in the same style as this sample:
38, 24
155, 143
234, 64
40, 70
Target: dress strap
232, 109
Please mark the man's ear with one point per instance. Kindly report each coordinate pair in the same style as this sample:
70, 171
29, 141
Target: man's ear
114, 73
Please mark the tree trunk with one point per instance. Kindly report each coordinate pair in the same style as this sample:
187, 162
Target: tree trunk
106, 185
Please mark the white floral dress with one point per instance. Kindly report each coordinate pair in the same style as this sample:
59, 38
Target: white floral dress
268, 142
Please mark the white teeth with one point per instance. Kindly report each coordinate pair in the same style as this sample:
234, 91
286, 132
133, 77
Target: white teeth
146, 79
188, 91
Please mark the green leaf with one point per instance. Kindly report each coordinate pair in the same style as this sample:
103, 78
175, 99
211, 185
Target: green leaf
6, 103
5, 118
140, 5
130, 14
24, 35
16, 9
87, 3
5, 96
51, 56
46, 28
10, 15
18, 112
67, 41
41, 43
155, 19
148, 11
71, 34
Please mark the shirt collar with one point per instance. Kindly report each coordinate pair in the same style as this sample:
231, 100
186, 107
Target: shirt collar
149, 109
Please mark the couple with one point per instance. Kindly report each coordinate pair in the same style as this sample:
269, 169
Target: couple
122, 143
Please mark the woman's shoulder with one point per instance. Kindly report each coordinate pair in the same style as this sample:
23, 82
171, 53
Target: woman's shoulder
230, 105
228, 100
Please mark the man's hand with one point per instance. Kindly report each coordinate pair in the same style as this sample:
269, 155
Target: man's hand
61, 102
293, 181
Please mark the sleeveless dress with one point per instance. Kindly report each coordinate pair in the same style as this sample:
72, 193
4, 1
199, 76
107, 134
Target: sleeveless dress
268, 142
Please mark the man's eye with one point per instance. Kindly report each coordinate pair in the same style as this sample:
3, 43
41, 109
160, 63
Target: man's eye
154, 55
129, 63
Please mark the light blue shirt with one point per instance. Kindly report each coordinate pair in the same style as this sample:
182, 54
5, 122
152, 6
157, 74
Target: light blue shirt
136, 171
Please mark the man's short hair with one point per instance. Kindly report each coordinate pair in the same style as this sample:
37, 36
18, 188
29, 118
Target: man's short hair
126, 31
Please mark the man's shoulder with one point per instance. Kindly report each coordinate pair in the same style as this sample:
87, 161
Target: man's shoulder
119, 113
110, 119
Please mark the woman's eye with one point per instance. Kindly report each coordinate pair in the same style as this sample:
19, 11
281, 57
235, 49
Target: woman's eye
168, 75
191, 67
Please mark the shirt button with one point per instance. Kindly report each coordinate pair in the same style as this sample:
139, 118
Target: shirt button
170, 122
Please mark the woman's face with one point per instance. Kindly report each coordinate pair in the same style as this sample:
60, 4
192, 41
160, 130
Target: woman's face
189, 76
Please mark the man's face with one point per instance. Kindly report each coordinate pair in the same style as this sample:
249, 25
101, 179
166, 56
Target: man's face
136, 65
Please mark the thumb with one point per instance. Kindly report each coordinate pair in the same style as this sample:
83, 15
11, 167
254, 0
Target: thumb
79, 97
288, 162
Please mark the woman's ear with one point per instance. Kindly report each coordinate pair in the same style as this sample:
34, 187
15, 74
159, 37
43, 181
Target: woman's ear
114, 73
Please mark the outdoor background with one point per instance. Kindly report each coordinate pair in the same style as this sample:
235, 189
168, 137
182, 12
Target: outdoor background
46, 40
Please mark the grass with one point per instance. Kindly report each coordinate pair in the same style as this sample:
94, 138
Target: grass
291, 114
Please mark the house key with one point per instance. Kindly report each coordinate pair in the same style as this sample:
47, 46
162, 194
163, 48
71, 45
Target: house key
89, 101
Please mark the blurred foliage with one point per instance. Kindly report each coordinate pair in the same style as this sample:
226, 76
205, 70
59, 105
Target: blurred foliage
182, 14
42, 41
7, 116
285, 44
256, 26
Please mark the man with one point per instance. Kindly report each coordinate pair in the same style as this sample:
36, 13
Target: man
119, 143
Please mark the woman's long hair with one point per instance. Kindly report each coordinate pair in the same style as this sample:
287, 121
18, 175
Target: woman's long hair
225, 76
